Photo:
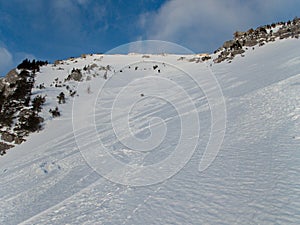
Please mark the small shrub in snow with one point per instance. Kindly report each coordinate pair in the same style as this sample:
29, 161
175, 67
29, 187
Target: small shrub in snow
61, 98
55, 112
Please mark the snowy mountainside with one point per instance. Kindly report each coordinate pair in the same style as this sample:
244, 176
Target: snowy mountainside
254, 179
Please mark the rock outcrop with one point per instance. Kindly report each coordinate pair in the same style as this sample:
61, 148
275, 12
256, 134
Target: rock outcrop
75, 75
260, 36
7, 137
4, 147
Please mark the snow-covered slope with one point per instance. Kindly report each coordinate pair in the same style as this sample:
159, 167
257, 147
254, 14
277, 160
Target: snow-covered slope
255, 178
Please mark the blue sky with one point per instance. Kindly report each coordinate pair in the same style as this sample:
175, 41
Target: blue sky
58, 29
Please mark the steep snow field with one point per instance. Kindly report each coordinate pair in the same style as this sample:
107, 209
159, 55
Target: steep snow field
255, 178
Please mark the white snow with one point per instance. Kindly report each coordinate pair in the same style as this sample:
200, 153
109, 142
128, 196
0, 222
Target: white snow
255, 178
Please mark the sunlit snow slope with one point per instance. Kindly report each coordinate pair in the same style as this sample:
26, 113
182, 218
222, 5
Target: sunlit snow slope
255, 178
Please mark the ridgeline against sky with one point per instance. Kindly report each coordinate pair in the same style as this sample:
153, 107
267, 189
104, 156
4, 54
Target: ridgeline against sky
50, 30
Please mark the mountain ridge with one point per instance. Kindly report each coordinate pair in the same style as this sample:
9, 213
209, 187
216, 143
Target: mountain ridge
253, 179
242, 42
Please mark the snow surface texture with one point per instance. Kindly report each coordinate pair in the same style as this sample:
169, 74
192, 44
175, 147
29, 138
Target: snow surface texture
255, 178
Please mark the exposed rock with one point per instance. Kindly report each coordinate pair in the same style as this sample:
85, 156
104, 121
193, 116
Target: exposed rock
94, 65
108, 67
219, 59
75, 75
238, 34
4, 147
284, 36
7, 137
12, 76
250, 43
260, 36
2, 85
57, 62
272, 39
7, 83
228, 44
205, 58
236, 52
21, 133
90, 67
19, 141
194, 60
8, 91
224, 54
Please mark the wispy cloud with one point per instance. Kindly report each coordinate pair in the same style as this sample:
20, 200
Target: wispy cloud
73, 19
6, 60
9, 60
201, 25
65, 15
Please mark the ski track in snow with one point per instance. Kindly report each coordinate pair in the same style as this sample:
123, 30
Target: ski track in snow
254, 179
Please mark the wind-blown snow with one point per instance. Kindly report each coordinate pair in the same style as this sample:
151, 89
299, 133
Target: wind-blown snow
255, 178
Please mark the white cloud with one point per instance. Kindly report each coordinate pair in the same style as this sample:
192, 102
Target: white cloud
73, 17
200, 24
6, 61
10, 60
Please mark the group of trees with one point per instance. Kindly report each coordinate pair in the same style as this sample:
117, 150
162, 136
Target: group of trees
11, 103
23, 88
6, 111
31, 65
18, 111
37, 103
29, 122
